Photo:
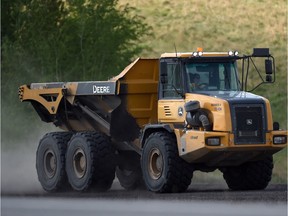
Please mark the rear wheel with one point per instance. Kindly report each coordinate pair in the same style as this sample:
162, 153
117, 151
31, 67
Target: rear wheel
254, 175
163, 169
90, 162
50, 161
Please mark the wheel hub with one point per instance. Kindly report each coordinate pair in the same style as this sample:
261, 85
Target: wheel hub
50, 163
79, 163
155, 164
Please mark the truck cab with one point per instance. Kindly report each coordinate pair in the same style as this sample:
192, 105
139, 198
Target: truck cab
215, 121
197, 74
185, 74
201, 94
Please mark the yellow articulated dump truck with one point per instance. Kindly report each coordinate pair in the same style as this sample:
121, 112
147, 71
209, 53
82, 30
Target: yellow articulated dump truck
157, 122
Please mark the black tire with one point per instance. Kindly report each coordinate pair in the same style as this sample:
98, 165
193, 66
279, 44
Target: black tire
50, 161
129, 171
163, 170
90, 162
254, 175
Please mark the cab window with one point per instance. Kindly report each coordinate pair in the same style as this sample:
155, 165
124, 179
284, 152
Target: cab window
173, 85
212, 76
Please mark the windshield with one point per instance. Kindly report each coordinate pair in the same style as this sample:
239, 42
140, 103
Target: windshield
212, 76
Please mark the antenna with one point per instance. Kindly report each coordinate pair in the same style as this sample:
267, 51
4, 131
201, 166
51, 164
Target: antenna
175, 50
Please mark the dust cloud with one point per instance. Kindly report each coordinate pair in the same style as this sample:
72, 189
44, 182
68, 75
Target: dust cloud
18, 167
19, 176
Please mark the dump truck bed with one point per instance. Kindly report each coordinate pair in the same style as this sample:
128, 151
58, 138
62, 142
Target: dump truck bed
125, 102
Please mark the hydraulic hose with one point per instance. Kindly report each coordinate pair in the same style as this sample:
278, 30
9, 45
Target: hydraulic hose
205, 122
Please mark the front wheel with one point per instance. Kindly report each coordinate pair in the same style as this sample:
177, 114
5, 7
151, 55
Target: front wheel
254, 175
163, 170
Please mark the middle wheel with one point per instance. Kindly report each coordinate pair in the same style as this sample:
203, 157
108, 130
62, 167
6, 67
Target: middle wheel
163, 169
128, 170
90, 162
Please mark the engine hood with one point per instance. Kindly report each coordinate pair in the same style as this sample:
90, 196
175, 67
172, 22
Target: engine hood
234, 96
222, 105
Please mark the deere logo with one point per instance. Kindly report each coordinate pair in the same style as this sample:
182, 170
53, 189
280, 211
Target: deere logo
249, 121
101, 89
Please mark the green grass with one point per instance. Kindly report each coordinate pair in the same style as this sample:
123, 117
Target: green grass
221, 26
280, 167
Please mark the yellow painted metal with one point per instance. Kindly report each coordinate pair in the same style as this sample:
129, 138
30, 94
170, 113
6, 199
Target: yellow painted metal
48, 98
268, 115
138, 85
191, 143
171, 111
219, 110
192, 147
168, 110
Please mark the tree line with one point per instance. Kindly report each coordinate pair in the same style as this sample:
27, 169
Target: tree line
56, 40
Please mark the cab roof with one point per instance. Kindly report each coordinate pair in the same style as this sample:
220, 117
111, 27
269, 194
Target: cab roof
196, 54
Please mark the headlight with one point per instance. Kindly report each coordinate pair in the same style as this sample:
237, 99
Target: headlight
213, 141
197, 54
280, 139
230, 53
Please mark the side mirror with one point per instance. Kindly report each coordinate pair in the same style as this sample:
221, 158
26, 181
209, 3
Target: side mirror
268, 70
268, 78
268, 66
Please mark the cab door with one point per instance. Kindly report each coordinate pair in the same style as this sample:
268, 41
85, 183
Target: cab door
171, 93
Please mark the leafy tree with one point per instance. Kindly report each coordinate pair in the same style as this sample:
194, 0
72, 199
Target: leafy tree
55, 40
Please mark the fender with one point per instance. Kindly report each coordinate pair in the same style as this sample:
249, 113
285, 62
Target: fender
150, 128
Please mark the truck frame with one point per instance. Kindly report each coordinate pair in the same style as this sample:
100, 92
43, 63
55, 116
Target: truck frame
153, 125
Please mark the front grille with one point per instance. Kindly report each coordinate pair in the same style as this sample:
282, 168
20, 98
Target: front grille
249, 124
